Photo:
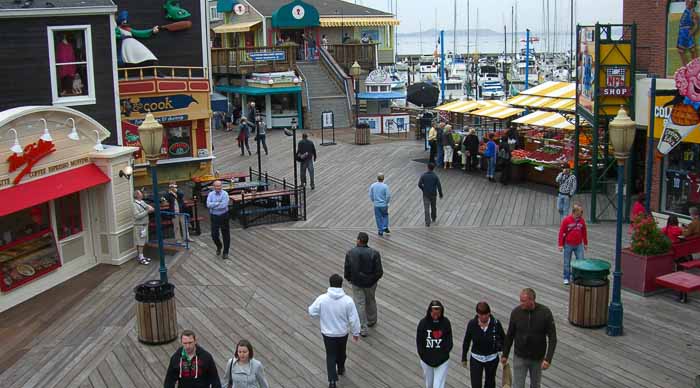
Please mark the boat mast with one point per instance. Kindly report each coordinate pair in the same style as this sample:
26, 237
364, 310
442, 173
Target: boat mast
454, 31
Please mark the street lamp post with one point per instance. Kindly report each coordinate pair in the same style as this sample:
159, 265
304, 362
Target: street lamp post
355, 71
622, 130
151, 137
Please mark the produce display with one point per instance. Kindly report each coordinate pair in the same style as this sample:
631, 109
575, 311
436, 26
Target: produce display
25, 260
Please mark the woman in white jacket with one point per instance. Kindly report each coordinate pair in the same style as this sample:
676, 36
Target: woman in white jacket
244, 371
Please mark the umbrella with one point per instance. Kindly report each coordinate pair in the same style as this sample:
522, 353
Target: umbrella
422, 94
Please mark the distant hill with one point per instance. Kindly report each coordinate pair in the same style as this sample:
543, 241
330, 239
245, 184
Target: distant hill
431, 32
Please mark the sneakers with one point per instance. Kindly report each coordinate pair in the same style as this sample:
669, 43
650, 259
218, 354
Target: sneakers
225, 256
332, 384
341, 371
566, 282
364, 334
387, 231
143, 260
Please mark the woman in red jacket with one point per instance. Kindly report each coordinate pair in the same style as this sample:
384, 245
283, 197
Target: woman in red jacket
573, 238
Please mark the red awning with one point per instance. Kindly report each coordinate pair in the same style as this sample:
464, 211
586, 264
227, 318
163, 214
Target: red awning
26, 195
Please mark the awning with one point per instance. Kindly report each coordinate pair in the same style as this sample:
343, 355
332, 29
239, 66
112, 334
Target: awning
498, 112
450, 105
565, 105
553, 89
235, 27
26, 195
468, 106
560, 96
545, 119
225, 5
358, 22
251, 91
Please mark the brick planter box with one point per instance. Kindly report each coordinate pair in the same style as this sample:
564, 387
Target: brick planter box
639, 272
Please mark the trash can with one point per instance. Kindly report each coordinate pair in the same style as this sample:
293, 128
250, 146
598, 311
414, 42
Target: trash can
589, 293
156, 318
362, 134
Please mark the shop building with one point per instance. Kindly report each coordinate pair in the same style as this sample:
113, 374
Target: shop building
175, 87
61, 55
63, 206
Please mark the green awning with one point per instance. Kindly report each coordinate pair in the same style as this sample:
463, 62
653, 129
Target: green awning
296, 14
251, 91
225, 5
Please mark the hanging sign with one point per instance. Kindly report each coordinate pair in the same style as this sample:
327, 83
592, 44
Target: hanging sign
683, 116
144, 105
239, 9
267, 56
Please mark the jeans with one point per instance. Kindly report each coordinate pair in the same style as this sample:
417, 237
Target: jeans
381, 216
366, 305
568, 250
220, 223
430, 208
521, 366
491, 169
307, 165
477, 369
435, 376
244, 143
433, 150
563, 205
263, 143
311, 53
335, 355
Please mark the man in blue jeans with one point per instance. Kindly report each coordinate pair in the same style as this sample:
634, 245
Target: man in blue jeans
380, 196
217, 203
567, 188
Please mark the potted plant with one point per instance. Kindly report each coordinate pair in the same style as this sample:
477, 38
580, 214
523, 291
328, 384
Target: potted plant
648, 256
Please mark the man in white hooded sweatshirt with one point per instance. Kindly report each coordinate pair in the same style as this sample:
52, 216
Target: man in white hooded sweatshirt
338, 313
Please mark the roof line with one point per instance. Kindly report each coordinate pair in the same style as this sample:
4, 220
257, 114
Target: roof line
69, 11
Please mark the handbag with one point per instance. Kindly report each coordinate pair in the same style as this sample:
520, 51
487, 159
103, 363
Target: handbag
507, 377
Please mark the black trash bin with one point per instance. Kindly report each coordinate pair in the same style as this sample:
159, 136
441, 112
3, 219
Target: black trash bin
589, 294
156, 318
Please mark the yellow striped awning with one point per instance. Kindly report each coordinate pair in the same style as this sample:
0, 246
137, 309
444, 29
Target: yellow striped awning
358, 22
235, 27
545, 119
552, 89
447, 107
498, 112
564, 105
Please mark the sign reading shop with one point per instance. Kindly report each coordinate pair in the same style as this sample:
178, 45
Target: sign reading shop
144, 105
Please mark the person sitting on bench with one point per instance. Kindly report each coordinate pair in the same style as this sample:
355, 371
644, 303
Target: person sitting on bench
672, 230
693, 228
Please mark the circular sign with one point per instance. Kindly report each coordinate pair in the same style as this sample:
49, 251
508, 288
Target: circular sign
239, 9
179, 149
298, 12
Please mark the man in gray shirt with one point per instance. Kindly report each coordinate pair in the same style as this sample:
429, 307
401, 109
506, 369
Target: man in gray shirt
217, 203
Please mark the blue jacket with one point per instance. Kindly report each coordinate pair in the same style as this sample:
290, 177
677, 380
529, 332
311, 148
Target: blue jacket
490, 149
379, 194
430, 183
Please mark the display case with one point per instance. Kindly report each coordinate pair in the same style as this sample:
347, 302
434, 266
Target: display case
28, 258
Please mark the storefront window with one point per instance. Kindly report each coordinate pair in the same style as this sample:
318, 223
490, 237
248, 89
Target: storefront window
27, 247
71, 64
68, 219
179, 140
682, 179
283, 103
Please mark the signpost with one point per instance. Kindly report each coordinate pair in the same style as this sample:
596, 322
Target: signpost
327, 122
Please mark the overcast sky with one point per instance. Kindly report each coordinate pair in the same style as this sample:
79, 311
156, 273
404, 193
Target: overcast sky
493, 14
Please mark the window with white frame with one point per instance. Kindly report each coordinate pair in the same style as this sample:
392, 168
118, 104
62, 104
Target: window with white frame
214, 14
72, 70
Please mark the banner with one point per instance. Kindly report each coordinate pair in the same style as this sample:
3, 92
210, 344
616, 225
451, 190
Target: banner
586, 69
679, 39
682, 117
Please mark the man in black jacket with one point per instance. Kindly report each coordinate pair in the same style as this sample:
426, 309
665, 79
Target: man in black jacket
471, 147
306, 155
429, 183
363, 269
191, 366
532, 329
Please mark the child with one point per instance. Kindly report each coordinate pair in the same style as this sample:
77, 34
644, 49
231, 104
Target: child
672, 230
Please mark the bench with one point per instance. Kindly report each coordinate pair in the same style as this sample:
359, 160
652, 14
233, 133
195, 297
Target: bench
683, 282
262, 203
686, 247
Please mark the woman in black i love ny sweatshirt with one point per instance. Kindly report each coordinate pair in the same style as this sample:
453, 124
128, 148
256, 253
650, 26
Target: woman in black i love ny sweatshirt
434, 343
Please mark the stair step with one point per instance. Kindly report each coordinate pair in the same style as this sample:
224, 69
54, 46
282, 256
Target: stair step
320, 97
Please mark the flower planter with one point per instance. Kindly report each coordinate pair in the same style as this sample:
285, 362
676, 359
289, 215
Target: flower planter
639, 272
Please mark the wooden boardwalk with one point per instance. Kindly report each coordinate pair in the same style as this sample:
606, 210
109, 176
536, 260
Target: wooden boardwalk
489, 242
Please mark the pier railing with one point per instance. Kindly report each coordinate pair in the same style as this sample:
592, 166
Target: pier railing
347, 54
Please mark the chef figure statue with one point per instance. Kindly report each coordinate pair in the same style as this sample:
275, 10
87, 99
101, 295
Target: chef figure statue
133, 52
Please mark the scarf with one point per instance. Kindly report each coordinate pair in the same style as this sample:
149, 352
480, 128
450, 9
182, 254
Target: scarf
186, 362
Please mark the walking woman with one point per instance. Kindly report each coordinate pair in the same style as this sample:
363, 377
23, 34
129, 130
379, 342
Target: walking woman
485, 335
244, 371
243, 135
434, 343
490, 155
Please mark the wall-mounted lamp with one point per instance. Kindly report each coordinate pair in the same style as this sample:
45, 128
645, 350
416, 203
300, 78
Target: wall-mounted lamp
46, 136
126, 172
16, 148
98, 145
73, 135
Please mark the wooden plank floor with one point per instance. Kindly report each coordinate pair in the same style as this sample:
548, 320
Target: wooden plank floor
490, 241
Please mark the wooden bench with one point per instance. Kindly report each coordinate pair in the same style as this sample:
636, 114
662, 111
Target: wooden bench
236, 198
683, 282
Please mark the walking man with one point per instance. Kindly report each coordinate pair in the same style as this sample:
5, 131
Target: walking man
306, 155
429, 183
191, 366
141, 211
261, 135
380, 196
363, 269
337, 312
573, 238
217, 203
532, 329
567, 188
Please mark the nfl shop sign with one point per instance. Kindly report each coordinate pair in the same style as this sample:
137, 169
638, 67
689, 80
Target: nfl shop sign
615, 82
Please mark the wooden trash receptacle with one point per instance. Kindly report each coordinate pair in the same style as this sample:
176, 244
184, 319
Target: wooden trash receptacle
156, 317
588, 303
362, 134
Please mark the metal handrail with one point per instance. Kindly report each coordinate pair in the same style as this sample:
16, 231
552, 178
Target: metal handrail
187, 225
306, 90
331, 63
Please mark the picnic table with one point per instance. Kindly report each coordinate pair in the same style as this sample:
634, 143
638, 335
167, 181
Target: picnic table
683, 282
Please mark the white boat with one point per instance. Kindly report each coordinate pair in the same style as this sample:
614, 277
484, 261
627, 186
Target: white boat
518, 71
492, 90
428, 68
458, 69
397, 81
454, 89
487, 73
